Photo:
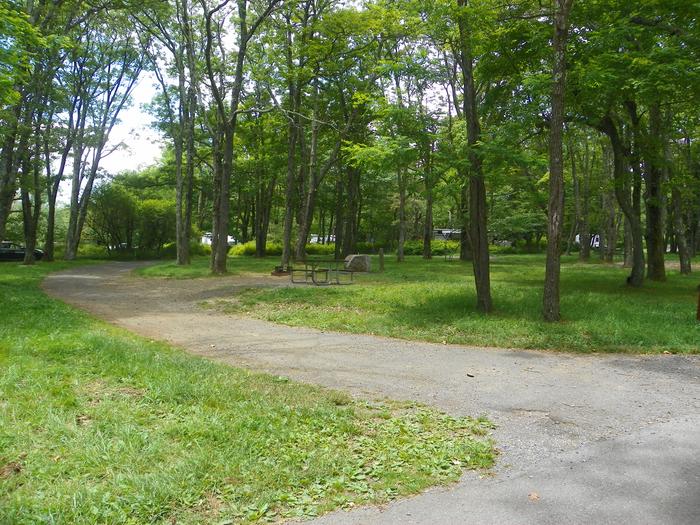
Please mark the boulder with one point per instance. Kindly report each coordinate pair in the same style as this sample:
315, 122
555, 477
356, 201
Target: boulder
358, 263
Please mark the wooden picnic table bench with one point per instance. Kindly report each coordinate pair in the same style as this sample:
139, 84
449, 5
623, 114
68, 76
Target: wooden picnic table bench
320, 272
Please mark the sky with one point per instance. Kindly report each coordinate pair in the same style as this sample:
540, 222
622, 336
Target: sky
143, 145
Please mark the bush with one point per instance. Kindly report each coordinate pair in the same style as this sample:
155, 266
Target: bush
413, 248
502, 250
169, 250
444, 247
275, 248
248, 249
320, 249
200, 249
89, 251
437, 247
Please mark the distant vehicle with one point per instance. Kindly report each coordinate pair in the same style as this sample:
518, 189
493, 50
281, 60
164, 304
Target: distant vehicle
447, 234
317, 239
207, 239
595, 240
10, 251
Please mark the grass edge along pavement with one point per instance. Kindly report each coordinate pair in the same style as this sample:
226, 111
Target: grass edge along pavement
98, 425
434, 301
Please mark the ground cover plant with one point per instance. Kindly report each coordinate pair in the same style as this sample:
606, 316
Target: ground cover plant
433, 300
100, 426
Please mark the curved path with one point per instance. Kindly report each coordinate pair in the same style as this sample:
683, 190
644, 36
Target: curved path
583, 438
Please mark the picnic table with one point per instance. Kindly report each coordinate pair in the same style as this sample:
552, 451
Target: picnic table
320, 272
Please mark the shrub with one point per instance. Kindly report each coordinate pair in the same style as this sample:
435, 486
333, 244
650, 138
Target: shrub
502, 250
413, 248
320, 249
248, 249
90, 251
169, 250
200, 249
275, 248
437, 247
444, 247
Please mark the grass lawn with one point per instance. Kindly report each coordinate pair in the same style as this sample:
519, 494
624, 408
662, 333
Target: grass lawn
434, 301
200, 268
100, 426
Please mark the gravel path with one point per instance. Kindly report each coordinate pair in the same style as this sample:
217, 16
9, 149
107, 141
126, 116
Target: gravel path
583, 438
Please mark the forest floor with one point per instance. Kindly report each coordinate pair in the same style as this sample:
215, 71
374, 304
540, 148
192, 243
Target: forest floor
583, 438
434, 301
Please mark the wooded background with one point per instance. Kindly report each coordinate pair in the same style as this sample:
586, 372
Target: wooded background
362, 124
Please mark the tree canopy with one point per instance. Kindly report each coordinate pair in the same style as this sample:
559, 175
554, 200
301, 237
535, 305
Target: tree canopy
363, 125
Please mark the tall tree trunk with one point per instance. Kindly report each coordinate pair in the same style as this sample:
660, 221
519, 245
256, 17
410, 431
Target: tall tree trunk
585, 187
181, 233
53, 182
263, 207
227, 118
338, 216
428, 221
575, 223
680, 231
628, 252
72, 234
8, 171
478, 233
31, 204
555, 213
311, 182
219, 249
289, 195
630, 207
465, 245
401, 178
655, 200
608, 239
351, 210
188, 92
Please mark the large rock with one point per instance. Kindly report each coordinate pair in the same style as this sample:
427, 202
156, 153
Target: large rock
358, 263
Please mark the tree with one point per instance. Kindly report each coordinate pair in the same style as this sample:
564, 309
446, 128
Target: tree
555, 213
478, 233
226, 94
171, 29
107, 67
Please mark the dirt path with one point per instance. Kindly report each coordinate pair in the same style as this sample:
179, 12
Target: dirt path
584, 439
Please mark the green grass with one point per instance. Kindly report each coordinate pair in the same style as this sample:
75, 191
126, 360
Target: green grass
200, 268
100, 426
434, 301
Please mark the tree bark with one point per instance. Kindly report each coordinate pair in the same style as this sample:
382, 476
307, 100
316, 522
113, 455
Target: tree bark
630, 207
465, 245
401, 180
680, 231
8, 171
655, 200
551, 308
351, 211
428, 221
585, 195
478, 233
31, 203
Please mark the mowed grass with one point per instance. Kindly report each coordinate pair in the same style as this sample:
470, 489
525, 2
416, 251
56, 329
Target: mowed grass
199, 268
100, 426
434, 301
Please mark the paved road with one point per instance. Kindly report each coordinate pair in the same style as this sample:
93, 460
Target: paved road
584, 439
